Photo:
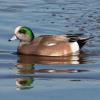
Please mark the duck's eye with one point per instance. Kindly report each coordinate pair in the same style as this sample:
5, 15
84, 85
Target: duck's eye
22, 31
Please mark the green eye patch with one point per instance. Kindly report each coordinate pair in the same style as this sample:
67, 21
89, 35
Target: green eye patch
22, 31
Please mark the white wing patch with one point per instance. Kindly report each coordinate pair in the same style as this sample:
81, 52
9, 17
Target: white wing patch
51, 44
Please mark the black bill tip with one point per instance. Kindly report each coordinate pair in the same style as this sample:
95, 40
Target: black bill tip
9, 40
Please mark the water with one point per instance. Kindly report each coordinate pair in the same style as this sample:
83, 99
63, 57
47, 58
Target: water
46, 78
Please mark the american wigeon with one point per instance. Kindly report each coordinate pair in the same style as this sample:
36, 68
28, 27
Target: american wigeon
47, 45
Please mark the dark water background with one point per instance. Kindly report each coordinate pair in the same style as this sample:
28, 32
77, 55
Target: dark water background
35, 78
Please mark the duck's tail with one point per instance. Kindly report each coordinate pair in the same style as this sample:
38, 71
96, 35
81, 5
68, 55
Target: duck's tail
82, 41
80, 38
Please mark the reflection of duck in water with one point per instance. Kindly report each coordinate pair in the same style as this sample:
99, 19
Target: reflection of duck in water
26, 66
48, 45
24, 82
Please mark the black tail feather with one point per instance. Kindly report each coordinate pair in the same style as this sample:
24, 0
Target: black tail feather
80, 38
82, 42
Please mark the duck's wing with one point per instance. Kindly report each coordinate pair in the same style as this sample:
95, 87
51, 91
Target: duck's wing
74, 35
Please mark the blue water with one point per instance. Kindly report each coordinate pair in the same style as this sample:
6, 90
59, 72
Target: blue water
42, 78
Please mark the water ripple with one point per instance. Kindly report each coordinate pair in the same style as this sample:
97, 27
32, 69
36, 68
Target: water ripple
50, 17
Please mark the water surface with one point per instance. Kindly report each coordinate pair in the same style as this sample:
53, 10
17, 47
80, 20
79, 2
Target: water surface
43, 78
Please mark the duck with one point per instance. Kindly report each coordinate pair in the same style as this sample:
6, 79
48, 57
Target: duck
47, 45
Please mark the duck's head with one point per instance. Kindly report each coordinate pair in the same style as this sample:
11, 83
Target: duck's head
23, 33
